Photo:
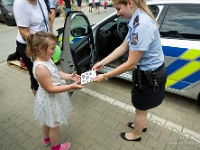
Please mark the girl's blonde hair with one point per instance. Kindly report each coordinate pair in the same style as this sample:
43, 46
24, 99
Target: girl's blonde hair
140, 4
36, 40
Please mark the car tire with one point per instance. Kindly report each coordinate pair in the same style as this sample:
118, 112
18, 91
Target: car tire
7, 21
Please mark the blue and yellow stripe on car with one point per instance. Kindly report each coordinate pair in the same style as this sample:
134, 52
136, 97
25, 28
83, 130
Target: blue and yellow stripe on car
71, 39
185, 70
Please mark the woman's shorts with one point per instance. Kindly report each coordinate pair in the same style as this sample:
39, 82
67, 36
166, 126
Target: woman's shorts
79, 3
148, 98
96, 4
90, 4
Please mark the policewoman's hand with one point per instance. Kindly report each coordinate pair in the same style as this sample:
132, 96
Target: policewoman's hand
99, 78
98, 66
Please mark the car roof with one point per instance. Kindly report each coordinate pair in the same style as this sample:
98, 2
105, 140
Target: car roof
150, 2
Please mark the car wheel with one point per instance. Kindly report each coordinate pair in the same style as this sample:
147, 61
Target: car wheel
7, 21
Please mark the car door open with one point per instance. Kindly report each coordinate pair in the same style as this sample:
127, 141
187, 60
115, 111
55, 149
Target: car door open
77, 44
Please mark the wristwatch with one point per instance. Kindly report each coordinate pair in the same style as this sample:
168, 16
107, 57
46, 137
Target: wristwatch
105, 78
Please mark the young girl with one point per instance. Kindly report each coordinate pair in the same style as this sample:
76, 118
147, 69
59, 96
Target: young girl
52, 103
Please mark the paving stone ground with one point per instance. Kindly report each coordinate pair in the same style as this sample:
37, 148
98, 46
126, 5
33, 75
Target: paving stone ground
93, 125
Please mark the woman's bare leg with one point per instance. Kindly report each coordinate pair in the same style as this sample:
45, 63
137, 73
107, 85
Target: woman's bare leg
139, 123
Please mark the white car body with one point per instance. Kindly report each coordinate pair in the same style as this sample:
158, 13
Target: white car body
179, 22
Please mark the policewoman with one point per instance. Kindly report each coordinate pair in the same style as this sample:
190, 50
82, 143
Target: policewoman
145, 58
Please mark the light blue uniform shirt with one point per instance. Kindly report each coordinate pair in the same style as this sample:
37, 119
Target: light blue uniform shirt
145, 37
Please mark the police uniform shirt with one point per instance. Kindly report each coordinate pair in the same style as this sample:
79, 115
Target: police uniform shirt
143, 35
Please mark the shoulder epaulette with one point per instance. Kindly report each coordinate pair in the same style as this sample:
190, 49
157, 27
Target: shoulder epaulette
136, 21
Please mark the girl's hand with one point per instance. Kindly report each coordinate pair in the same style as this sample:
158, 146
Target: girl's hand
98, 66
99, 78
76, 86
75, 77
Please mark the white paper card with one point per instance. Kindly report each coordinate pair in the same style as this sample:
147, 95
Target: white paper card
88, 76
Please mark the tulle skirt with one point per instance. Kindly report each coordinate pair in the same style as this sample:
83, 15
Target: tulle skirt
52, 109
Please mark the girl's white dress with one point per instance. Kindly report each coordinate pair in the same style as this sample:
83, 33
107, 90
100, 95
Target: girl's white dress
51, 109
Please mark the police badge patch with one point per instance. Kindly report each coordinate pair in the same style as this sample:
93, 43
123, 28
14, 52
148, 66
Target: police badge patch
134, 38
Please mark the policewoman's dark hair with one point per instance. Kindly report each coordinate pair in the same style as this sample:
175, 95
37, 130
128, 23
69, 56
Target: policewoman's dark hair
36, 40
140, 4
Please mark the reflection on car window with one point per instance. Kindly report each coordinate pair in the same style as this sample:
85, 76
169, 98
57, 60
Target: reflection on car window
78, 29
154, 9
182, 21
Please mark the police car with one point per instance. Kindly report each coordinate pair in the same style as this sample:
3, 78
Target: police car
179, 26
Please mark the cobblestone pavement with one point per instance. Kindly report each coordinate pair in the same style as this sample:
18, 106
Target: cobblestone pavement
98, 117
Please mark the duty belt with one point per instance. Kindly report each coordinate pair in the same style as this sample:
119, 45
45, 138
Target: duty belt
141, 78
160, 71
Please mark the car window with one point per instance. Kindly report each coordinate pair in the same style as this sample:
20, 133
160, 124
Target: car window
154, 9
78, 29
181, 21
8, 2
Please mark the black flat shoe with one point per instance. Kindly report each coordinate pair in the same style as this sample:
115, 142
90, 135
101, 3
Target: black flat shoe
123, 136
131, 123
13, 56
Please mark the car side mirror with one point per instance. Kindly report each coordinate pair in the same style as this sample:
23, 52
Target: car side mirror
77, 32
